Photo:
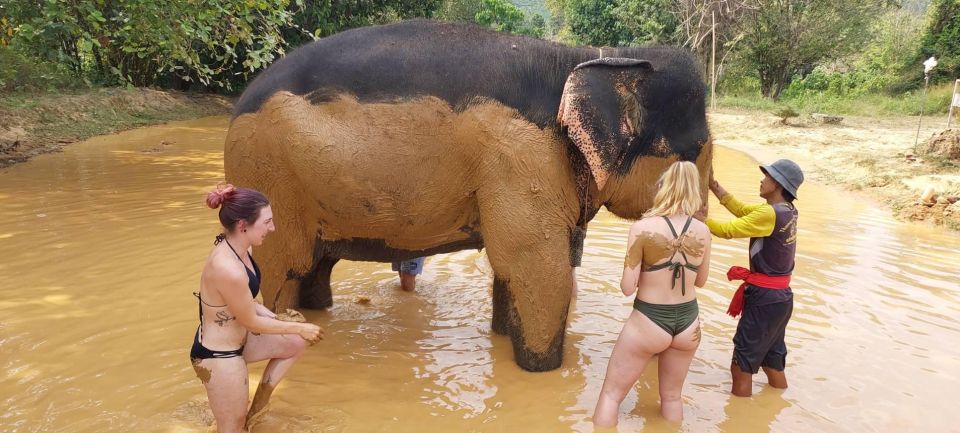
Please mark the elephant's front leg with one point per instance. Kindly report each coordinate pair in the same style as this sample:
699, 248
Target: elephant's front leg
315, 292
501, 306
532, 288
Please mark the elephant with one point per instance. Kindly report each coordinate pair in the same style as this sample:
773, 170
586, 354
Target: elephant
404, 140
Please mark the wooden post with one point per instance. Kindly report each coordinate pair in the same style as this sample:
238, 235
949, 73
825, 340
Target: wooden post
923, 99
954, 102
713, 63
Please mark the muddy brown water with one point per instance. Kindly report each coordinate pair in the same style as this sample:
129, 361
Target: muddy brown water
102, 245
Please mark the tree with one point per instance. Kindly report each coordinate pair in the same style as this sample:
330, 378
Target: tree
318, 18
591, 22
536, 25
785, 37
500, 16
633, 22
207, 44
647, 21
699, 19
216, 43
459, 10
941, 39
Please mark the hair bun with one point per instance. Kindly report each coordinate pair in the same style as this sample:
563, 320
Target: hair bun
216, 197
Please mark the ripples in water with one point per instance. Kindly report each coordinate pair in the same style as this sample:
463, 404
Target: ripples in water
102, 246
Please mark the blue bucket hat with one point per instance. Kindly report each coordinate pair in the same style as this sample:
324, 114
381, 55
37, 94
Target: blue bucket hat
787, 173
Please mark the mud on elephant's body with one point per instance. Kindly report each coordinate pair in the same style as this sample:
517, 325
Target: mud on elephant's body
393, 142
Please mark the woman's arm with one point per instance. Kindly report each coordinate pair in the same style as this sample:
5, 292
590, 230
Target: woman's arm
232, 285
263, 311
631, 262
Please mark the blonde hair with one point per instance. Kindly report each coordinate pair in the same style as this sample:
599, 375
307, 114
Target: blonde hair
678, 191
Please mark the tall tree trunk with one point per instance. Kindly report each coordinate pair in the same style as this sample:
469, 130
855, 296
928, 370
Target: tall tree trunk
773, 79
765, 87
783, 80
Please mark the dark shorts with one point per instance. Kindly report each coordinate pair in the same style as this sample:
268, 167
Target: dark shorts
759, 338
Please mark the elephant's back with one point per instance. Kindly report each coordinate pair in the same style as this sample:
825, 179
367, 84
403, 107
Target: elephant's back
455, 62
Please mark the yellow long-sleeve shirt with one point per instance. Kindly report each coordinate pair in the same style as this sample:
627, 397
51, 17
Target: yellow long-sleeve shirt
753, 221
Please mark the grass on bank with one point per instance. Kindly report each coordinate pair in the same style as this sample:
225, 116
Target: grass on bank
81, 114
936, 101
33, 123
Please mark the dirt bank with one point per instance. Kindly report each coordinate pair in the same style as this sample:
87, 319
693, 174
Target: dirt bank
32, 124
873, 155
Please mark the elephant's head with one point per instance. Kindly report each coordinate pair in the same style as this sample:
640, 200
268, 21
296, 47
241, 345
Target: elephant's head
630, 119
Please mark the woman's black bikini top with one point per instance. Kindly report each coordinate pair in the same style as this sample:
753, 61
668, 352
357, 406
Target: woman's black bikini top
253, 277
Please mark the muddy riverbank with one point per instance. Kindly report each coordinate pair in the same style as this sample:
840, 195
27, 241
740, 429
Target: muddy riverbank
36, 123
874, 156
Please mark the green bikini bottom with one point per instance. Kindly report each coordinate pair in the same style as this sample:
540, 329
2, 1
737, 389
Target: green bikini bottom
673, 318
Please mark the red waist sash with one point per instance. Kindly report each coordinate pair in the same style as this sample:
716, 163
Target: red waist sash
756, 279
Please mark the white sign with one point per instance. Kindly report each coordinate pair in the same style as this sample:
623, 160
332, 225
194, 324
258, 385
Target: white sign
956, 99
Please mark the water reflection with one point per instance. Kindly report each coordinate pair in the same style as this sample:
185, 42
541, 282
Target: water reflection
102, 245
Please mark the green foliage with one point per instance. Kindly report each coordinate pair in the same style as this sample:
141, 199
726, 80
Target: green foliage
782, 37
533, 7
619, 22
594, 22
319, 18
785, 113
500, 16
459, 10
647, 21
19, 73
217, 43
874, 69
869, 104
210, 44
535, 25
941, 39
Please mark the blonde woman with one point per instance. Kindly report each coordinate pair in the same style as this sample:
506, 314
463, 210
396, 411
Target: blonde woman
668, 255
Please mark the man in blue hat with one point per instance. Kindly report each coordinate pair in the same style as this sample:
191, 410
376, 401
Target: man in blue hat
765, 298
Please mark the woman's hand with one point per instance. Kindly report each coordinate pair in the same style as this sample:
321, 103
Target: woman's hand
310, 332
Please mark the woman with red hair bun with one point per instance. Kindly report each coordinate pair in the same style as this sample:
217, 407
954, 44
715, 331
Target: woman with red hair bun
235, 329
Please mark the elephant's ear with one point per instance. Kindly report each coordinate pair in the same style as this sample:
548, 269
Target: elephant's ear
601, 111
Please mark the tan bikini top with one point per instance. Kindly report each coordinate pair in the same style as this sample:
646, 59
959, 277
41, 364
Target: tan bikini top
676, 244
